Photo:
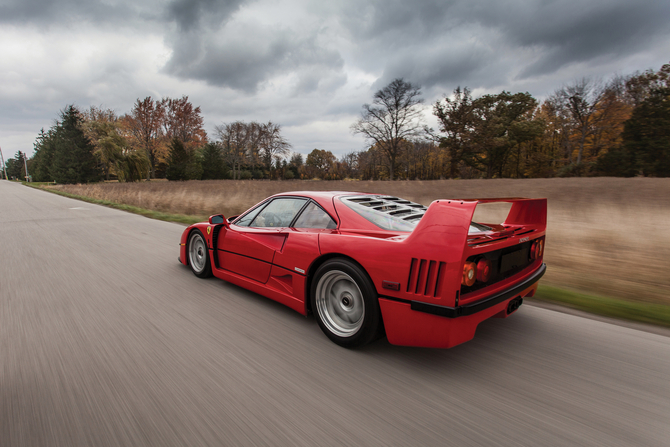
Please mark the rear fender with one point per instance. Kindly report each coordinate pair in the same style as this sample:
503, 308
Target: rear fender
441, 235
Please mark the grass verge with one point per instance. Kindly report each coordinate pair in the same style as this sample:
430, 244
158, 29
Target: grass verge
179, 218
657, 314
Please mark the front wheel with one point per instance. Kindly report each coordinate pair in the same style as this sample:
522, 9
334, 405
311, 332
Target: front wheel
198, 257
345, 303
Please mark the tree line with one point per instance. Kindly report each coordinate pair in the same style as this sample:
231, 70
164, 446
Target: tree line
157, 139
618, 127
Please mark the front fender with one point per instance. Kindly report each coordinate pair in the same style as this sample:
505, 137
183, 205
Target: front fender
203, 227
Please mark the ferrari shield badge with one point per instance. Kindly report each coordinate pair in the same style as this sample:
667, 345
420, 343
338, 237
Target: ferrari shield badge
209, 230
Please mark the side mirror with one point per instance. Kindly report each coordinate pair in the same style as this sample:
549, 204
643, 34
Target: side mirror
217, 219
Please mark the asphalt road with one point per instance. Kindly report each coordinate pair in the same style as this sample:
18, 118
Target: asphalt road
106, 340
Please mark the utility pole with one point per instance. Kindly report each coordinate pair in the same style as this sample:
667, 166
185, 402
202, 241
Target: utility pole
25, 163
4, 168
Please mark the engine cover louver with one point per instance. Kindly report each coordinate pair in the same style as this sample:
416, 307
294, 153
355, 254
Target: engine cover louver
425, 277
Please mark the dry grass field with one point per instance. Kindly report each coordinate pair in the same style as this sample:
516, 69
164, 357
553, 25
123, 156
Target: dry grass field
605, 235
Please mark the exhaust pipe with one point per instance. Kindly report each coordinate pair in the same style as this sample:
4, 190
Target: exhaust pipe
514, 305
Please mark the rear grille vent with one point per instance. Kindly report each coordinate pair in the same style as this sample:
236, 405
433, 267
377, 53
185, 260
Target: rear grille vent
425, 277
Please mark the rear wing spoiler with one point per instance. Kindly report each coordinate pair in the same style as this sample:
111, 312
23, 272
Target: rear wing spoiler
523, 212
454, 216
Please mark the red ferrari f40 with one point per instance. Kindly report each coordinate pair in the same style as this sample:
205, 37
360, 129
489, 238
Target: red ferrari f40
367, 264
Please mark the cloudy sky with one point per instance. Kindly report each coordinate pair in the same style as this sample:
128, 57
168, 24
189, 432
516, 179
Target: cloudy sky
308, 65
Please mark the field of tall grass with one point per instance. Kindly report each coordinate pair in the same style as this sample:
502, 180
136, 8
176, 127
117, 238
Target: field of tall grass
609, 236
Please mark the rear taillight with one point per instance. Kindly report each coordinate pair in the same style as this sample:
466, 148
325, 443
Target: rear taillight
469, 274
483, 270
537, 249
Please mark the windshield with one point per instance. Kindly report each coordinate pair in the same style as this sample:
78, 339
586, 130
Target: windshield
393, 213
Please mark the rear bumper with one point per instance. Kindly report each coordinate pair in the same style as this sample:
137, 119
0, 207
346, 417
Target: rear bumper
473, 308
414, 323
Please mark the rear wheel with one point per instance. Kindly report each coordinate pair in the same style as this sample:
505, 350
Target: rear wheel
345, 303
198, 256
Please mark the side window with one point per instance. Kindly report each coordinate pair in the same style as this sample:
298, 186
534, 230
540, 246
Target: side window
250, 216
314, 217
278, 213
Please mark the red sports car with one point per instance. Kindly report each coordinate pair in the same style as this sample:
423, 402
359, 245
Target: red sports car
369, 264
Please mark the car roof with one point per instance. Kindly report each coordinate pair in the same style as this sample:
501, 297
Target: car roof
376, 203
321, 194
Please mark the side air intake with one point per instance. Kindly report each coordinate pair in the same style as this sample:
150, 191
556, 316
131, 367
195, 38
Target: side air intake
215, 238
425, 277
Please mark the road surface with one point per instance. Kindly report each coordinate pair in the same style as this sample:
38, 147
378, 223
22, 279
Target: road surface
106, 340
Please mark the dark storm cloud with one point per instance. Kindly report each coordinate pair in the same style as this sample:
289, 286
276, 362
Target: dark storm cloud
561, 33
243, 63
575, 31
434, 68
64, 12
397, 21
192, 14
187, 14
242, 56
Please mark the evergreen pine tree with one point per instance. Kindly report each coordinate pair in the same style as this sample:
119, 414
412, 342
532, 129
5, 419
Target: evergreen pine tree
646, 135
213, 166
178, 162
43, 157
73, 159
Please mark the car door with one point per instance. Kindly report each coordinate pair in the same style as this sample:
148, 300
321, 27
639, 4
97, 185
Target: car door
301, 244
249, 245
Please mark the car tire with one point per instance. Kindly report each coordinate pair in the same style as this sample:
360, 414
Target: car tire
345, 304
198, 255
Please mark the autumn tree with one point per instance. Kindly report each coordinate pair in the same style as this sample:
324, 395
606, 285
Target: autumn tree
580, 101
105, 131
640, 86
319, 163
349, 165
183, 121
393, 116
371, 164
144, 124
101, 127
612, 111
421, 159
